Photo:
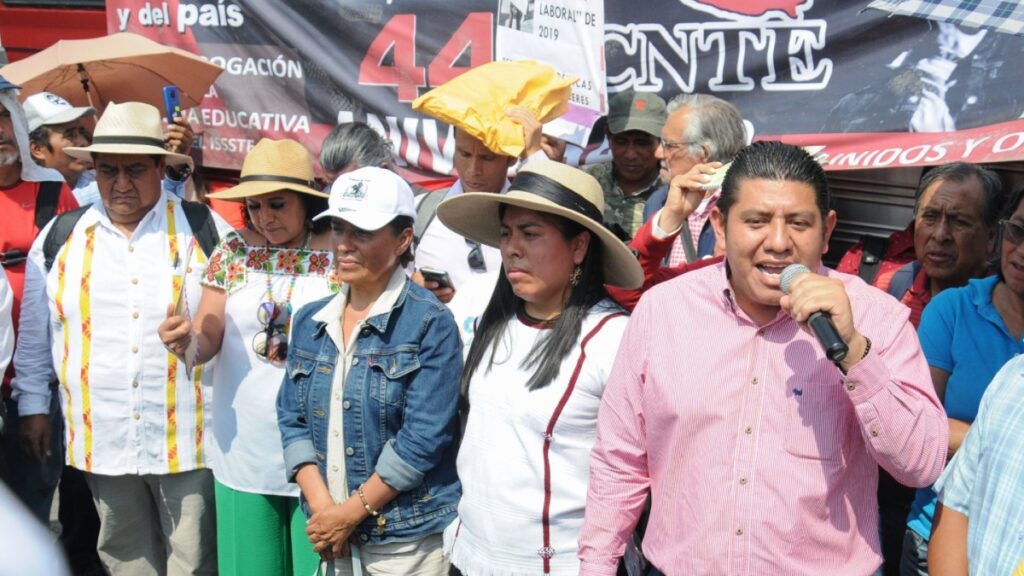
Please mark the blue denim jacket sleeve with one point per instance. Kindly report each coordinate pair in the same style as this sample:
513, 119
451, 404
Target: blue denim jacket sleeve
291, 421
432, 400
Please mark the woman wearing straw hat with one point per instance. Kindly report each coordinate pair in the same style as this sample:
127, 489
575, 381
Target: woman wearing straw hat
536, 369
255, 278
368, 408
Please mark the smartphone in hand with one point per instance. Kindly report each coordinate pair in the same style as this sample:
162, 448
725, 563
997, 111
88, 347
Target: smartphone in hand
435, 275
172, 103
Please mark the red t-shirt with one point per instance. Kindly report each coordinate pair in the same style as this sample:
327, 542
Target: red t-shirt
17, 232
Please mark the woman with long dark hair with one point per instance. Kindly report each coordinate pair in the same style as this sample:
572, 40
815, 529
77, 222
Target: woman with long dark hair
536, 369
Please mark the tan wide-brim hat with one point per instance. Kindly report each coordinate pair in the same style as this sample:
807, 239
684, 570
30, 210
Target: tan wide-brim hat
129, 128
272, 166
553, 188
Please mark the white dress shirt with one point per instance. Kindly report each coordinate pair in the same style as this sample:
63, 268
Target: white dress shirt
91, 321
6, 329
442, 248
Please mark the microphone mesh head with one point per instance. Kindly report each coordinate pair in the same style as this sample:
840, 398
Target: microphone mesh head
789, 273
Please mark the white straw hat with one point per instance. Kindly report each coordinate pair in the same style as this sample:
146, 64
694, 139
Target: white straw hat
129, 128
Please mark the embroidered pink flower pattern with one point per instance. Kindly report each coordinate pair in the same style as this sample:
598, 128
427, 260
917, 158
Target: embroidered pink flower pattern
287, 260
215, 268
258, 258
235, 272
234, 244
318, 263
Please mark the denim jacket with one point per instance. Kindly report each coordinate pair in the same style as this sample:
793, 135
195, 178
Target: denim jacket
401, 404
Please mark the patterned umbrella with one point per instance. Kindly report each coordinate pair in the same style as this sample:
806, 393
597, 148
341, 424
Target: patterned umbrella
1003, 15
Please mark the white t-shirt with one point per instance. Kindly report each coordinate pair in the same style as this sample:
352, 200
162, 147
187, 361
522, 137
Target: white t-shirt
245, 447
446, 250
469, 303
502, 464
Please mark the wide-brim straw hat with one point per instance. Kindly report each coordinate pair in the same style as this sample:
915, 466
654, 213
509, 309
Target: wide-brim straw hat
271, 166
129, 128
552, 188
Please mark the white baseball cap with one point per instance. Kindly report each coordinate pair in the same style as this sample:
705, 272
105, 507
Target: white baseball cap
369, 198
48, 109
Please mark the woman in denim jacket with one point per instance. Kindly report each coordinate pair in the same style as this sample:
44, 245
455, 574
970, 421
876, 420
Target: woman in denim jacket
368, 406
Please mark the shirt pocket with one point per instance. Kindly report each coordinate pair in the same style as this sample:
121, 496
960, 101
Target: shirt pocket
818, 415
300, 372
389, 374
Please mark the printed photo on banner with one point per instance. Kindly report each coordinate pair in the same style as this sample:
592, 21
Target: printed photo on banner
569, 36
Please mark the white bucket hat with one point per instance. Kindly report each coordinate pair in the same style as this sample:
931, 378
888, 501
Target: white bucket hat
129, 128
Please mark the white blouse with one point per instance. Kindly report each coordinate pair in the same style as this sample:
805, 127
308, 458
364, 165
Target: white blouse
524, 460
245, 445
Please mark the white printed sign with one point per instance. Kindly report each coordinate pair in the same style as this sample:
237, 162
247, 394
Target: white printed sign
569, 36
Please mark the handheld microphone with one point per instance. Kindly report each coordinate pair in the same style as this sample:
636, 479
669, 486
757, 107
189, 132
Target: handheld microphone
820, 322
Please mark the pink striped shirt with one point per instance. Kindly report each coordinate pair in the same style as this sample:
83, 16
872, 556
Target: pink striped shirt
764, 463
696, 222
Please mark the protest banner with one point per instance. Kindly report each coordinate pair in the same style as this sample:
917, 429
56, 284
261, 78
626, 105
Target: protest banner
868, 90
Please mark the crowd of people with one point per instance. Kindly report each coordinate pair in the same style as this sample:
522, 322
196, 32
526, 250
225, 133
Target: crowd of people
541, 369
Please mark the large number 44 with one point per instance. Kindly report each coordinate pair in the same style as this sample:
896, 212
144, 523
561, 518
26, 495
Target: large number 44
398, 38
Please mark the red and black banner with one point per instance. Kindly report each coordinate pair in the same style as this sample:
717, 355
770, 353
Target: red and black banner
862, 89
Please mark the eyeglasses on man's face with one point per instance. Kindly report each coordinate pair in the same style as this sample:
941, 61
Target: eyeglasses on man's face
1013, 232
672, 146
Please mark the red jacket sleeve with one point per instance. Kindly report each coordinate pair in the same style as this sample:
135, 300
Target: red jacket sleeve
651, 252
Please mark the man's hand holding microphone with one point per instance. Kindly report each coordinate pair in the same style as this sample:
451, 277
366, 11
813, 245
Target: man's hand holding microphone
821, 303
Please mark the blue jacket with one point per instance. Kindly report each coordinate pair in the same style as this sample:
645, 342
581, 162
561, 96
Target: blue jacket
401, 409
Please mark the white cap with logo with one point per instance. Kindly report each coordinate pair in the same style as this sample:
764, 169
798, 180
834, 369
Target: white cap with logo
369, 198
48, 109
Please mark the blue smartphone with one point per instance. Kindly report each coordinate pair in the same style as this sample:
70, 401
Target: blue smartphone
172, 103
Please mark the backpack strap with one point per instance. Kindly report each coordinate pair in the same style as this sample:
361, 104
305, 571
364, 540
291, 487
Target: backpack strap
200, 220
63, 224
426, 211
686, 238
46, 202
903, 279
872, 253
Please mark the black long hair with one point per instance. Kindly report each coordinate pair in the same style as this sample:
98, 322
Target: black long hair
546, 356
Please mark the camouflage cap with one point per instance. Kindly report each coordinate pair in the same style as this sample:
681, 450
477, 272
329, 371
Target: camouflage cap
644, 111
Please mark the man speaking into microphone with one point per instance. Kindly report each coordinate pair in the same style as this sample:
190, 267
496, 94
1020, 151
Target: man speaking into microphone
759, 452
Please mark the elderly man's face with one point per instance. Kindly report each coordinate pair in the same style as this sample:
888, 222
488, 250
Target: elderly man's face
676, 155
480, 169
129, 185
950, 238
8, 142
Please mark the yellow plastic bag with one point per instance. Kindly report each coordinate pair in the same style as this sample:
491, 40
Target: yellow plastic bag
476, 101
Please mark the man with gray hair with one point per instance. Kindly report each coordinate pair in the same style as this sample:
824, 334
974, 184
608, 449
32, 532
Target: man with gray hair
702, 133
